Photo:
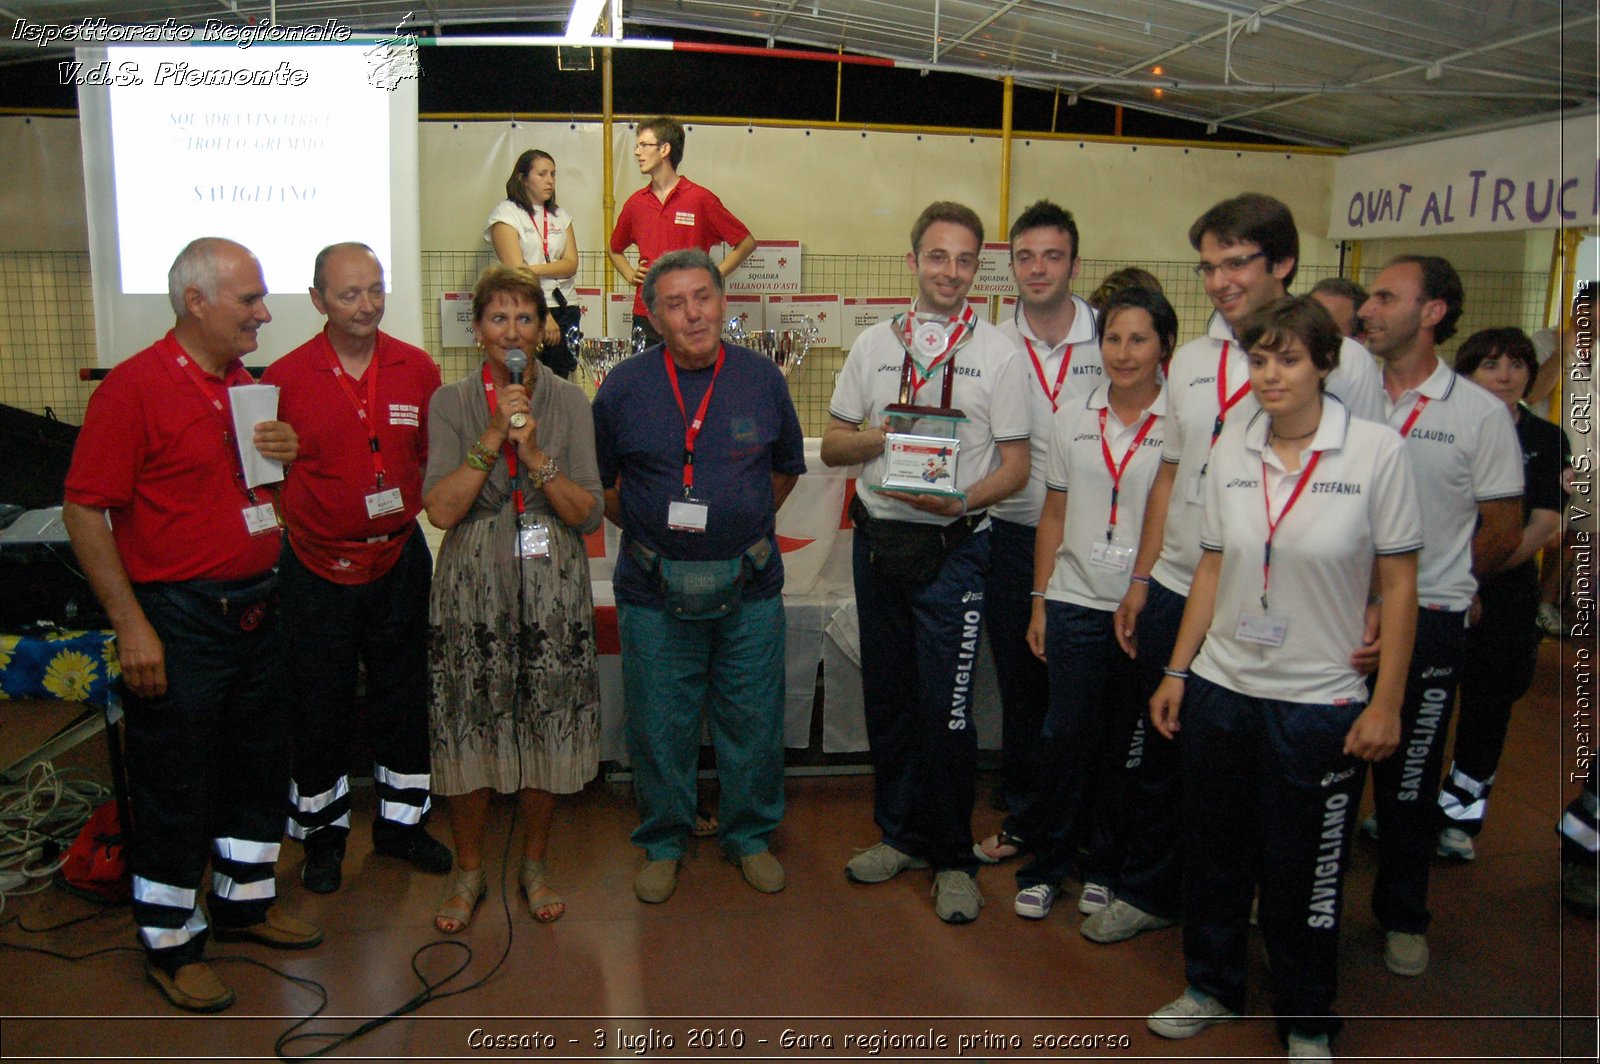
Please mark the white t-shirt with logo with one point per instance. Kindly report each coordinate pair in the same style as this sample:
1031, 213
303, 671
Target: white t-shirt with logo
1085, 372
532, 232
1087, 573
1360, 501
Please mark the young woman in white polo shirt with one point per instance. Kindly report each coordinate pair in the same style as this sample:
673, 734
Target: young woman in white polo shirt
1306, 509
1104, 451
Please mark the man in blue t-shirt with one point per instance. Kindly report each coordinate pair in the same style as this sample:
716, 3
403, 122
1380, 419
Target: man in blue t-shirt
699, 444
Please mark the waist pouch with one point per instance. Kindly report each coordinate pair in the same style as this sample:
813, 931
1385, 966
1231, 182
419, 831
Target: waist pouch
910, 552
703, 590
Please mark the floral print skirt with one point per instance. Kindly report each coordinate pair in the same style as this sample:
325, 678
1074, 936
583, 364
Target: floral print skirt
511, 652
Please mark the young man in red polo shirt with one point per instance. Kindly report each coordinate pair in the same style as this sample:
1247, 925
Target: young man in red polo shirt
183, 557
356, 570
670, 213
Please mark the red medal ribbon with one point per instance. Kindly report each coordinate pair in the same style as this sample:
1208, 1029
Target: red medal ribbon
363, 407
508, 448
910, 382
1053, 394
1272, 525
1115, 470
691, 429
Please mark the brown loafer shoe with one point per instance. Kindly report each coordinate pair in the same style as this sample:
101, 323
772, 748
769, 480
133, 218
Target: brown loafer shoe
279, 931
762, 871
193, 987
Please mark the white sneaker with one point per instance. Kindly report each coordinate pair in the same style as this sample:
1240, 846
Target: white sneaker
1456, 845
1309, 1047
1119, 922
956, 897
1190, 1014
1034, 902
1405, 953
1095, 897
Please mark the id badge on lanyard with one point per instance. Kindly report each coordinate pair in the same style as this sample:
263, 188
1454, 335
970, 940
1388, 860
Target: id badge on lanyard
260, 519
690, 514
380, 503
533, 539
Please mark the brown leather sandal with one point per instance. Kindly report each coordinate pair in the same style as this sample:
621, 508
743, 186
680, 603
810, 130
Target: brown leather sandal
461, 896
550, 907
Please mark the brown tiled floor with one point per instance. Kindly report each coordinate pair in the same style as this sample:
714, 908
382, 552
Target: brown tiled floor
1513, 974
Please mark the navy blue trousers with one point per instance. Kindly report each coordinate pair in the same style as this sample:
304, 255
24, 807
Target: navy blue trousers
1405, 785
1023, 679
919, 647
1270, 800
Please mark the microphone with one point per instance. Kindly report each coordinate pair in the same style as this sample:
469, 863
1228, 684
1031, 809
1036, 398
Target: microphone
517, 367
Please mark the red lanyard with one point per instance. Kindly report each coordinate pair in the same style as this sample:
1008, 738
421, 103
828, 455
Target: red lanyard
215, 393
1116, 471
1225, 402
363, 407
544, 233
910, 382
1416, 411
507, 447
1272, 525
1053, 394
691, 429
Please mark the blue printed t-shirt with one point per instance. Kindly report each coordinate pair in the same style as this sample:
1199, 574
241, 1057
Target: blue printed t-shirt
750, 432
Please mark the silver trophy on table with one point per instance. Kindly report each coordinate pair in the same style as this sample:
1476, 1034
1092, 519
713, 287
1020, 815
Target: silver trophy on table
787, 348
599, 356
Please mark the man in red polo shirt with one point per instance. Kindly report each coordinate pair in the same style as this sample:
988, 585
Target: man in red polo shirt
670, 213
356, 570
182, 556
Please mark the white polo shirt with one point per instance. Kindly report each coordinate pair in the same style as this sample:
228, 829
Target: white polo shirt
990, 388
1080, 354
534, 231
1192, 408
1361, 501
1083, 574
1463, 450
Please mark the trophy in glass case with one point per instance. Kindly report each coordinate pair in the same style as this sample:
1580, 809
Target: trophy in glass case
921, 446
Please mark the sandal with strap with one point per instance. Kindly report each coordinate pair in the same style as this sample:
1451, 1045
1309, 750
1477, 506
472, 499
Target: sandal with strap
550, 907
461, 896
999, 847
705, 823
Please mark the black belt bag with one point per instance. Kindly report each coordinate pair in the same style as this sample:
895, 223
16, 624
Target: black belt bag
703, 590
910, 552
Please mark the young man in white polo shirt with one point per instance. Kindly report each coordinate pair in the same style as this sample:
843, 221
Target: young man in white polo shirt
1463, 449
920, 559
1249, 250
1055, 332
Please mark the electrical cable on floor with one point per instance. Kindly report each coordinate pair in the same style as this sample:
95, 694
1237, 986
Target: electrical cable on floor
428, 993
39, 818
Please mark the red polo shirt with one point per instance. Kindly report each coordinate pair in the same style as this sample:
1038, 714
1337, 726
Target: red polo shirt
691, 217
324, 497
156, 454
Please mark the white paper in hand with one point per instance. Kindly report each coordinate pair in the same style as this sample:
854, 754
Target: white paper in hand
253, 404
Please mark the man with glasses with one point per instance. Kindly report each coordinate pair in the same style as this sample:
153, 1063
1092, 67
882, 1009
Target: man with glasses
1249, 249
920, 559
668, 214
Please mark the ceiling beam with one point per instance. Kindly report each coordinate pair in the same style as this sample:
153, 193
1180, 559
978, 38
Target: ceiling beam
977, 28
1418, 68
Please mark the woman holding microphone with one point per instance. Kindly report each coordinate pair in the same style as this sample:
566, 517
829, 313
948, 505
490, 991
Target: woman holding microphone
530, 233
516, 689
1306, 508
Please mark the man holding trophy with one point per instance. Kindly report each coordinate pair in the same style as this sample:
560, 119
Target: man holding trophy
934, 405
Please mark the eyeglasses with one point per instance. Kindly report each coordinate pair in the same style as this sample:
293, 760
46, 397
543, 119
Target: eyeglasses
1228, 266
939, 258
648, 144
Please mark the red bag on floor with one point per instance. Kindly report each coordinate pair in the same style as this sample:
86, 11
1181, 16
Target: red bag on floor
95, 864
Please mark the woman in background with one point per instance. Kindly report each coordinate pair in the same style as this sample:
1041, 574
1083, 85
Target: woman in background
1503, 643
530, 233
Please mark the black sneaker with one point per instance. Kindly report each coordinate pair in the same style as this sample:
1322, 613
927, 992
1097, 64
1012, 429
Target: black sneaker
416, 847
322, 873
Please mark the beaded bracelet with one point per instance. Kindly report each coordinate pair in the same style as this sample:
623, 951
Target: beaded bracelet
538, 478
479, 459
1139, 578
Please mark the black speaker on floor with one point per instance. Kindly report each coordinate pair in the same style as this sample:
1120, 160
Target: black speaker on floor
35, 451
